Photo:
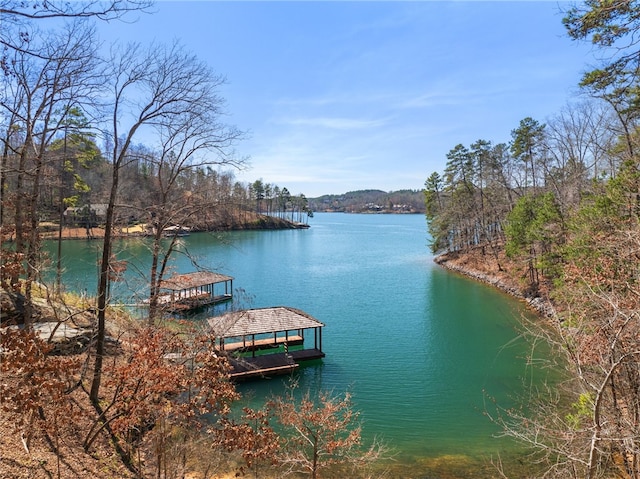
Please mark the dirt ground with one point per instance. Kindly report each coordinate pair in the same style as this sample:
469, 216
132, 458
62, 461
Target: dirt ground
93, 233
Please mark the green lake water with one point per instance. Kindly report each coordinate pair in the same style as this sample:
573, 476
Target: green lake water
421, 349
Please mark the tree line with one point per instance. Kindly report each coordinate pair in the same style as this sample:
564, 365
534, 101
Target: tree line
371, 201
557, 208
273, 200
165, 158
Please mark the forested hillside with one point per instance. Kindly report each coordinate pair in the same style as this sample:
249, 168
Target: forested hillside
371, 201
556, 211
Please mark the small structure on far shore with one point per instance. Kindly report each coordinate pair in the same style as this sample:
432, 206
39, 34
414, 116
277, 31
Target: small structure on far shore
171, 231
268, 341
185, 292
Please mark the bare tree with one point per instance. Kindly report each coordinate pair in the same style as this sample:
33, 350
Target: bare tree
578, 146
193, 139
323, 433
18, 16
161, 92
48, 88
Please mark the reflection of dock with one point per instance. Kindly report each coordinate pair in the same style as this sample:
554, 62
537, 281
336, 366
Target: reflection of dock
177, 231
266, 342
193, 290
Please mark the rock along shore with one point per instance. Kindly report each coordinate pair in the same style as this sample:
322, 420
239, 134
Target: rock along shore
487, 271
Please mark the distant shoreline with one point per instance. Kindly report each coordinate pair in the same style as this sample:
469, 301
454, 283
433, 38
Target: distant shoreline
98, 233
140, 231
383, 212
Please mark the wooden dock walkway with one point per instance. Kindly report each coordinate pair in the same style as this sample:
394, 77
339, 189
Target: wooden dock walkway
270, 364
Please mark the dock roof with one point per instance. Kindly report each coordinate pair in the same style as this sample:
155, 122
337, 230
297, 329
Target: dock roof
193, 280
261, 321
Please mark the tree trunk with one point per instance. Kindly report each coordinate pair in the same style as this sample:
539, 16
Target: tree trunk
103, 288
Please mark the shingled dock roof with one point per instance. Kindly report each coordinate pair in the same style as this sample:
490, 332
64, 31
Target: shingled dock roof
261, 321
280, 329
192, 280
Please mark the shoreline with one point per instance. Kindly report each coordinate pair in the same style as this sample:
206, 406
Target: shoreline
492, 276
76, 233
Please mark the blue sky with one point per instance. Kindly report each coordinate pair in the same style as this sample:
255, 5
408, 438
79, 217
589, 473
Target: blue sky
340, 96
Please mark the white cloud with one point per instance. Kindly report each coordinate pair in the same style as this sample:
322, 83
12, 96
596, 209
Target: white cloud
336, 123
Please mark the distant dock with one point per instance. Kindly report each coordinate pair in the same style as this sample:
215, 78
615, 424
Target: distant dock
185, 292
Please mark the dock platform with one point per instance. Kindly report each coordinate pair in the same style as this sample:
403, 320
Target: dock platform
269, 365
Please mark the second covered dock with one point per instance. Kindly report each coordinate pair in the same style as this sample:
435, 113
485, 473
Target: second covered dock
184, 292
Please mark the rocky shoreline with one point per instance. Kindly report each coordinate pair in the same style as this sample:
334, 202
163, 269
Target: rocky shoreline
500, 280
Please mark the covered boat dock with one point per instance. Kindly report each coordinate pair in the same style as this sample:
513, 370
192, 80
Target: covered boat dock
267, 341
184, 292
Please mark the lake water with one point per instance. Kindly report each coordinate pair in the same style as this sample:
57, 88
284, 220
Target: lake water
421, 349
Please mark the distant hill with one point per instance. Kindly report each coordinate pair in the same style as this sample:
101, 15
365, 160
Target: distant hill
371, 201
